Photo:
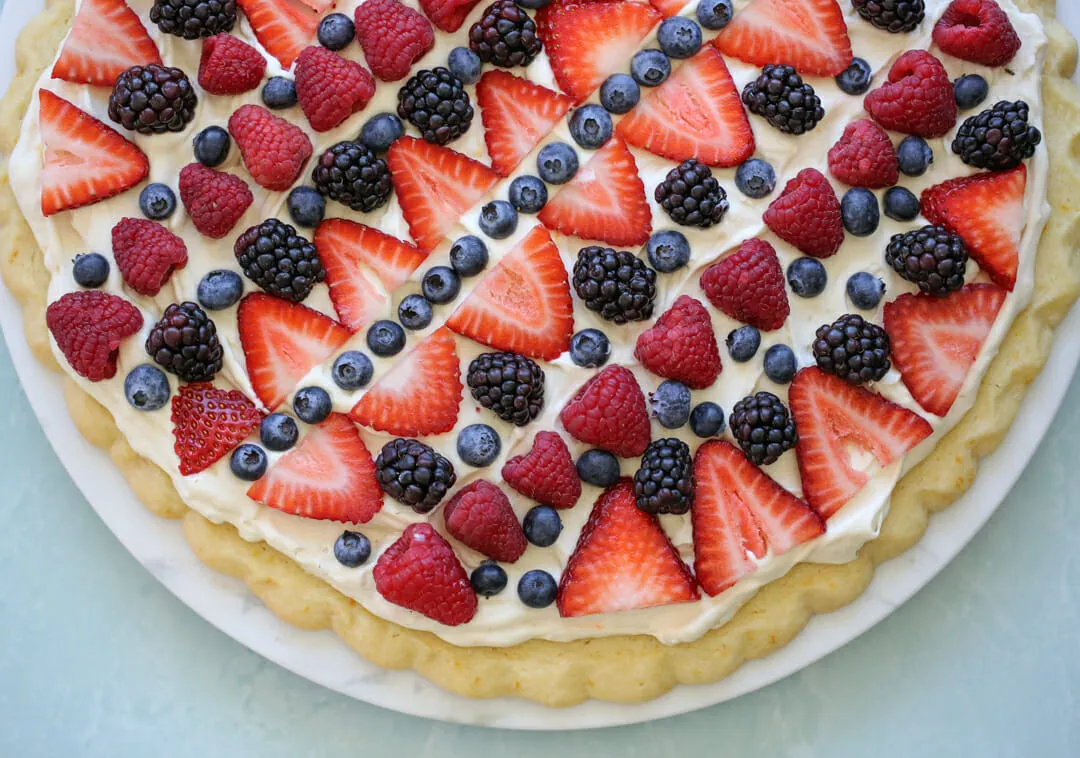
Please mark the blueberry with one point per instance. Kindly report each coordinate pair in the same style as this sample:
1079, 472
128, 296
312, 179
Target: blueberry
537, 588
743, 343
668, 251
212, 146
679, 37
352, 370
336, 31
865, 290
498, 219
859, 209
279, 92
465, 65
386, 338
352, 549
780, 365
306, 206
248, 462
542, 526
557, 163
90, 270
650, 67
714, 14
220, 289
528, 194
590, 126
755, 178
855, 79
157, 201
590, 348
901, 204
619, 93
807, 277
415, 311
707, 419
598, 468
380, 131
914, 155
278, 432
468, 255
440, 284
313, 405
147, 388
488, 579
478, 445
671, 404
970, 90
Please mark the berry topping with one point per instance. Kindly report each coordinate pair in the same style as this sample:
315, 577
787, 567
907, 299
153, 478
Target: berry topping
312, 405
436, 103
590, 348
807, 215
608, 411
385, 338
278, 432
679, 37
614, 283
668, 251
528, 194
713, 14
510, 385
914, 156
763, 427
90, 270
546, 473
89, 327
153, 99
853, 349
415, 312
590, 126
755, 179
488, 579
787, 103
865, 290
278, 260
780, 364
860, 212
478, 445
970, 90
337, 30
274, 151
748, 285
380, 131
106, 39
230, 66
393, 36
542, 526
307, 207
498, 219
448, 15
917, 98
557, 163
208, 423
517, 115
537, 588
420, 572
864, 156
650, 68
283, 27
211, 146
464, 64
352, 370
147, 388
997, 139
808, 35
664, 482
480, 517
807, 277
681, 345
185, 342
670, 404
978, 31
413, 474
440, 285
146, 254
157, 201
331, 88
248, 463
352, 549
469, 255
707, 420
856, 78
932, 257
619, 93
893, 16
351, 174
214, 200
504, 36
901, 204
279, 93
598, 468
192, 19
743, 343
691, 196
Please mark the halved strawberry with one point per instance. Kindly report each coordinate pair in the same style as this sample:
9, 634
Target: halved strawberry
106, 39
696, 113
330, 475
604, 201
987, 211
833, 417
283, 27
517, 114
86, 161
208, 423
623, 561
935, 340
435, 186
523, 304
587, 41
421, 394
738, 512
282, 342
808, 34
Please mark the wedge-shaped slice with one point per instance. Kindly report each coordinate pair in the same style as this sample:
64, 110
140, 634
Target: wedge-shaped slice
208, 423
809, 35
106, 39
517, 114
283, 27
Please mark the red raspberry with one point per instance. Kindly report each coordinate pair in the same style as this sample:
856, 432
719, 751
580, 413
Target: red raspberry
420, 572
331, 88
917, 99
146, 253
977, 31
864, 156
393, 36
807, 215
214, 200
274, 150
609, 412
681, 345
89, 326
208, 423
480, 517
546, 473
230, 66
748, 285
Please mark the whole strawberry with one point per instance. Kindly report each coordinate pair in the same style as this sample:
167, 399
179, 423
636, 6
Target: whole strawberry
807, 215
480, 516
214, 200
546, 473
864, 156
681, 345
748, 285
978, 31
274, 151
208, 423
89, 327
230, 66
331, 88
609, 411
420, 572
393, 36
146, 254
917, 99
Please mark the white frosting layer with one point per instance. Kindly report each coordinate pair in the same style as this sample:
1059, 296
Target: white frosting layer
504, 620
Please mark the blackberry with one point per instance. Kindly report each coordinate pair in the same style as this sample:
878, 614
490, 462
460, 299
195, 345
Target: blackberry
932, 257
413, 474
691, 196
999, 138
153, 99
185, 342
509, 384
786, 102
763, 427
279, 260
893, 16
664, 483
436, 103
352, 174
616, 284
505, 36
853, 349
192, 19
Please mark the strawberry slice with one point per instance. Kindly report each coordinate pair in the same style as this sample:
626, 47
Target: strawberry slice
832, 417
738, 512
435, 186
586, 42
330, 475
208, 423
421, 394
282, 342
523, 305
809, 35
935, 340
696, 113
318, 5
517, 114
86, 161
623, 561
283, 27
987, 211
105, 40
668, 8
604, 201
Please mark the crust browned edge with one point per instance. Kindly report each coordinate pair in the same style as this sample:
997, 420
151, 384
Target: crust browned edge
627, 668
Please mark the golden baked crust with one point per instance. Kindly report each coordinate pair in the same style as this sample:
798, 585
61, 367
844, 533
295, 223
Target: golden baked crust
627, 668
